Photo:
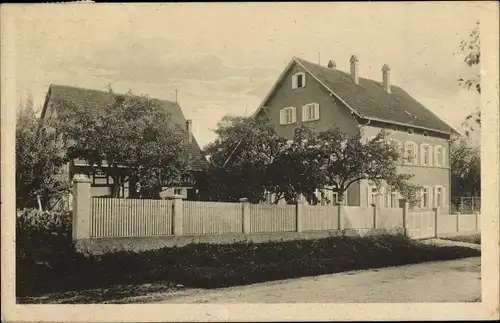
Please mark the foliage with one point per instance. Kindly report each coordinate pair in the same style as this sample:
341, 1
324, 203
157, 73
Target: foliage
134, 136
39, 162
297, 169
465, 168
333, 160
239, 157
248, 158
220, 265
471, 48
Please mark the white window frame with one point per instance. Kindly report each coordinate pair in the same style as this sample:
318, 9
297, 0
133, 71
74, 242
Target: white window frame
415, 149
429, 155
425, 189
441, 200
371, 192
439, 161
283, 116
295, 80
306, 109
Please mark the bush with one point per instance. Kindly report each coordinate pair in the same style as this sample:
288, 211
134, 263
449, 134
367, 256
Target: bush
213, 265
44, 248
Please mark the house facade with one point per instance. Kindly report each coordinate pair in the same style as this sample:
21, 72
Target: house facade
323, 97
101, 182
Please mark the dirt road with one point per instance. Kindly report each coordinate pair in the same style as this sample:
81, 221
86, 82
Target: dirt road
443, 281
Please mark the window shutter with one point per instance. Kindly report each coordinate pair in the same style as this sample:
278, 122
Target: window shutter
304, 113
422, 159
436, 161
294, 115
294, 81
282, 116
443, 197
443, 157
316, 111
430, 156
303, 79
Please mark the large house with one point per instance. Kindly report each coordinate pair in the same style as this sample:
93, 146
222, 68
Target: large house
96, 100
323, 96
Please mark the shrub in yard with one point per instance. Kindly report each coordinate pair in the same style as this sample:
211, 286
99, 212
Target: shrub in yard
44, 248
213, 265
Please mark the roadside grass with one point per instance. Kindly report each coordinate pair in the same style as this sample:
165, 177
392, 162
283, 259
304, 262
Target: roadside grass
472, 238
121, 275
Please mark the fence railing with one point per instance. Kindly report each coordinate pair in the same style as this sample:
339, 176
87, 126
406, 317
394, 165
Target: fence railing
465, 205
110, 217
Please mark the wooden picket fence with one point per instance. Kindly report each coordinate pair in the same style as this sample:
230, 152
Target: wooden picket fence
113, 217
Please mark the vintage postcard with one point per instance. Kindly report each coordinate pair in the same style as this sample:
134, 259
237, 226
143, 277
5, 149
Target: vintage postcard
250, 161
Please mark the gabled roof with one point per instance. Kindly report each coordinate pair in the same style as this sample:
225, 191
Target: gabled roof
369, 100
95, 100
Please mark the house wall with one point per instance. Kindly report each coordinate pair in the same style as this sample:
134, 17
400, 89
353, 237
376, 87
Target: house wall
423, 175
331, 113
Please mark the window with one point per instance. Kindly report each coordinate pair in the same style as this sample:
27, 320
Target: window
310, 112
298, 80
439, 159
178, 191
99, 178
425, 155
424, 203
439, 196
287, 115
392, 198
411, 152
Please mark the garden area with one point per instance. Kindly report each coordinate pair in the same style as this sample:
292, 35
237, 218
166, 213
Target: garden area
49, 270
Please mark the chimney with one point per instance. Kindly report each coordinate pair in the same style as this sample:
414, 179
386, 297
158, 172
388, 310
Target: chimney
386, 75
354, 69
189, 126
331, 64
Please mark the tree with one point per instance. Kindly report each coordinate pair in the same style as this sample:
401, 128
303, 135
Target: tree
239, 157
333, 160
133, 136
465, 168
349, 160
471, 48
39, 161
297, 170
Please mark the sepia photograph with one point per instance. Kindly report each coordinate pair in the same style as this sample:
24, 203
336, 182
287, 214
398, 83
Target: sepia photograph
250, 153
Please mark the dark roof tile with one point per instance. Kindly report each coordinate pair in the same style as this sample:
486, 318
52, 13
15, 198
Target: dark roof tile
370, 100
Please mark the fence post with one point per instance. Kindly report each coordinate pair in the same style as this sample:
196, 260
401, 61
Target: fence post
177, 215
341, 215
81, 207
376, 210
436, 216
406, 206
245, 214
299, 212
458, 224
477, 217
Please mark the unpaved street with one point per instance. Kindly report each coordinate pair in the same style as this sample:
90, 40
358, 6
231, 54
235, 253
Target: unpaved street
443, 281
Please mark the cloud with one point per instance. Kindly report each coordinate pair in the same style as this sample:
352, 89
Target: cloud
160, 61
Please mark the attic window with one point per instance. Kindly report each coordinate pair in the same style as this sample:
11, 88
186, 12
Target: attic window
426, 133
410, 131
298, 80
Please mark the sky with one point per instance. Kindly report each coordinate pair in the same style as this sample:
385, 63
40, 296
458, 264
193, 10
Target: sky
224, 58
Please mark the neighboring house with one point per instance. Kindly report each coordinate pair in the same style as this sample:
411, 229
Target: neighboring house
323, 97
97, 100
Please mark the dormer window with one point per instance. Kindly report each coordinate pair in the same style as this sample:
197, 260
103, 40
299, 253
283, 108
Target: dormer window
298, 80
410, 131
